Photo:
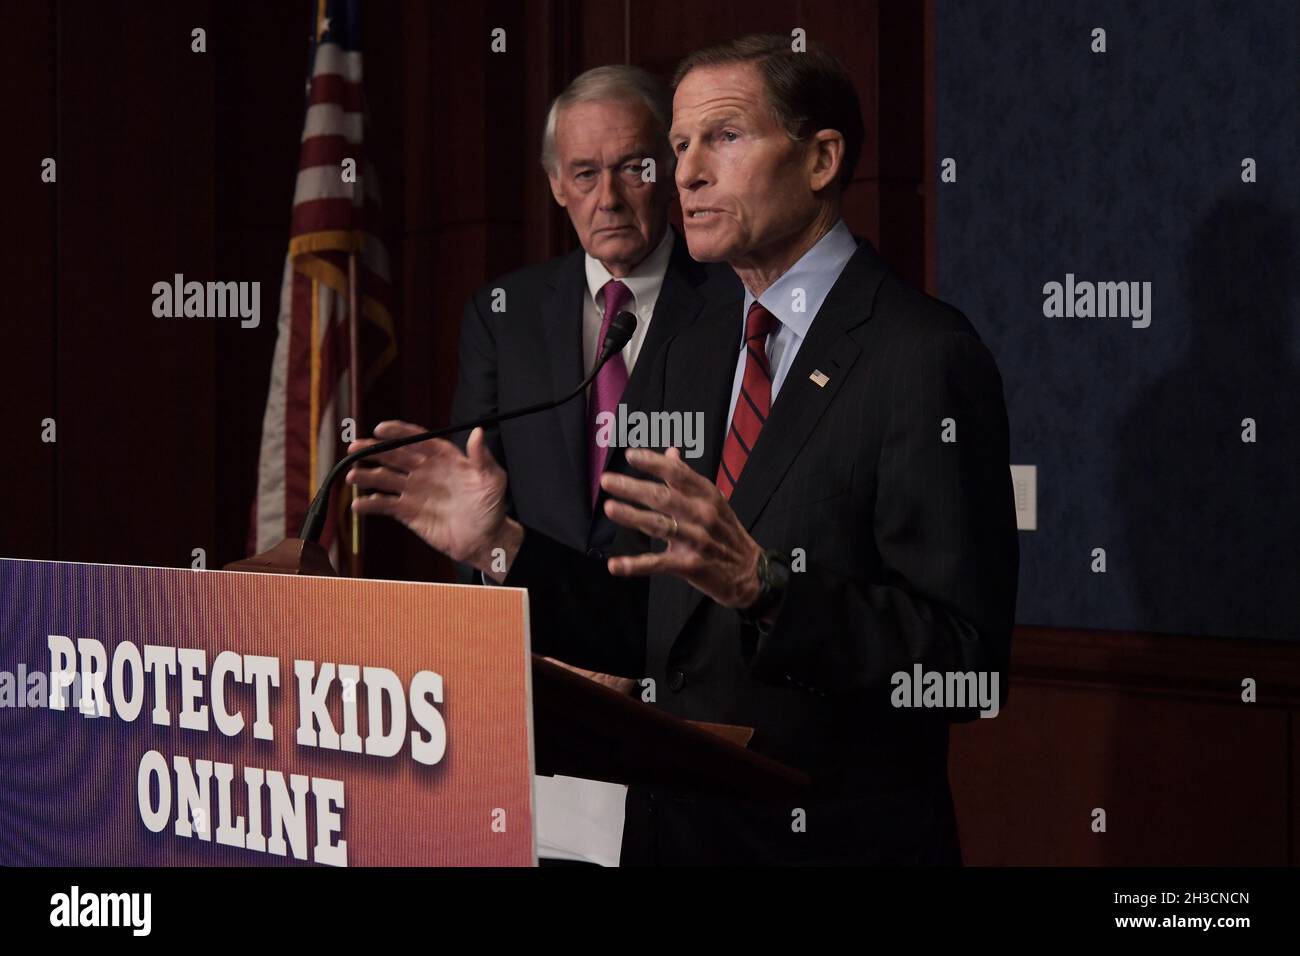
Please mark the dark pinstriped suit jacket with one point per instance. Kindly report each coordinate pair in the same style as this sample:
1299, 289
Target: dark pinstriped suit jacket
911, 556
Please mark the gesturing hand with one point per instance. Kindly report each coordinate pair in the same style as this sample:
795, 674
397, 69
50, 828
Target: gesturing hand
708, 547
455, 502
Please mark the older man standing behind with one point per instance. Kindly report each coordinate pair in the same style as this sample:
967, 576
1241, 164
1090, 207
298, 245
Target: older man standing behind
535, 333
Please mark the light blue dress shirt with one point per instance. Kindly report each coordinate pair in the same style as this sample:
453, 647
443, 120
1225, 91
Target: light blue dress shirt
806, 284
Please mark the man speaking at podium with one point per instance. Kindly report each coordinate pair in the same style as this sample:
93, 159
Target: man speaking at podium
850, 519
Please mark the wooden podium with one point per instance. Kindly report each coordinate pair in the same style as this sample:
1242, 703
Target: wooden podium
584, 729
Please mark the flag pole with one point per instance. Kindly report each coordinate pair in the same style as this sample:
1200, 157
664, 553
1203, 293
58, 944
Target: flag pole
354, 405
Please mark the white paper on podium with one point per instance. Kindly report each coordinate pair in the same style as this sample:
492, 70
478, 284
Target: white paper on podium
579, 819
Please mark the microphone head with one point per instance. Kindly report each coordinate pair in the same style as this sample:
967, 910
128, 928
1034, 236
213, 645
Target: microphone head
619, 332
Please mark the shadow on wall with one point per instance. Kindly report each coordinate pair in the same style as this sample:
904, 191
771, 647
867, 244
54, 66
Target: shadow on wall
1211, 546
1212, 537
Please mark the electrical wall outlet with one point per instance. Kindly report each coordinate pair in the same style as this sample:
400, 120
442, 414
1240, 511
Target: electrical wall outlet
1024, 481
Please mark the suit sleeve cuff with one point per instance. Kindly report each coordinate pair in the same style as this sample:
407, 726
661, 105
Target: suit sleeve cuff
778, 648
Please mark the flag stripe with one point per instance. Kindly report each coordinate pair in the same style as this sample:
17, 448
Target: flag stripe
332, 88
330, 119
326, 182
326, 151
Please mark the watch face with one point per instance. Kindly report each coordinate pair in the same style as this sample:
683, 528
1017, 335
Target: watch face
775, 571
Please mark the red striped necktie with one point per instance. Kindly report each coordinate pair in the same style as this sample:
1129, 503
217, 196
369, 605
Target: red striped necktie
753, 402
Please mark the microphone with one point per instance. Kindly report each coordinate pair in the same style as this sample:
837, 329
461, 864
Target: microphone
619, 332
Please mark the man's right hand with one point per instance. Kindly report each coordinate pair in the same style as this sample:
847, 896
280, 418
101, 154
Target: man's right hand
455, 502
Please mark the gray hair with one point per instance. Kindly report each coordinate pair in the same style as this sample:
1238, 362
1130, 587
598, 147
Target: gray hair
603, 83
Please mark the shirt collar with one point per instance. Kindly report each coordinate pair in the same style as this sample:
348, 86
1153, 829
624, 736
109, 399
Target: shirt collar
815, 273
644, 281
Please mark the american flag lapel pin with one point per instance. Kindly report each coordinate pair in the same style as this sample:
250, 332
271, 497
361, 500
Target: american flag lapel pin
819, 378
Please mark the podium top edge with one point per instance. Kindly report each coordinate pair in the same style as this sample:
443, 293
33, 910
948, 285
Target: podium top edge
264, 574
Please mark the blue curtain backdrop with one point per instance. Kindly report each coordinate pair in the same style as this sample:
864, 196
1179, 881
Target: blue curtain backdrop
1126, 166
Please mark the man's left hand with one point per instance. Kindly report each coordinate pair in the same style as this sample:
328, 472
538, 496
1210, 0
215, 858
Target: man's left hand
708, 547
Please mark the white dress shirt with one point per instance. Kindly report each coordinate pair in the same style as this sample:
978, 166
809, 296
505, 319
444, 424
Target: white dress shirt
795, 299
644, 282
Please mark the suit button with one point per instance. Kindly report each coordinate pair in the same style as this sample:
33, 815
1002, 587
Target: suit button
596, 554
677, 681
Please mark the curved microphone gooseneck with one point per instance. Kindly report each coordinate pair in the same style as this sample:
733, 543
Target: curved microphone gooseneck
620, 331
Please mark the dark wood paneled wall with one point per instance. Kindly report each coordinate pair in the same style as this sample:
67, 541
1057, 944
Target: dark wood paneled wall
28, 249
171, 161
1150, 728
127, 114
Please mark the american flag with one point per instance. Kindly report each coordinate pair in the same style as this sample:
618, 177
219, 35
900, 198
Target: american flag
309, 396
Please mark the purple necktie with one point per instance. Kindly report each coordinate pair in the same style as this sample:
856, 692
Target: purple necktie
609, 384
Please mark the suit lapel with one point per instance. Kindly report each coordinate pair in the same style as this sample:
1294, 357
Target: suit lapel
703, 382
829, 350
700, 382
678, 304
562, 314
799, 405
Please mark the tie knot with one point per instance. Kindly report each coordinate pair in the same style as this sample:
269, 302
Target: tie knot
759, 323
617, 297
